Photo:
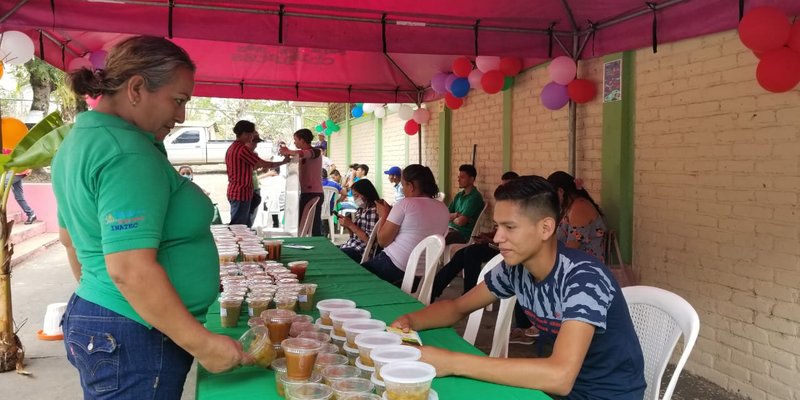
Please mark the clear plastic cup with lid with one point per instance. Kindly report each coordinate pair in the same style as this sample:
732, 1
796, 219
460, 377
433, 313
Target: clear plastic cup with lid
230, 307
356, 327
326, 307
351, 353
285, 301
299, 327
309, 391
339, 341
348, 386
389, 354
255, 321
284, 382
360, 396
330, 348
227, 255
279, 322
279, 366
305, 297
366, 371
298, 268
318, 336
254, 254
409, 380
256, 304
333, 373
380, 387
328, 359
256, 343
340, 317
370, 340
303, 318
301, 354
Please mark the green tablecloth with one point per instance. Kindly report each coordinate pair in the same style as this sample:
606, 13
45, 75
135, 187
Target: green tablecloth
339, 277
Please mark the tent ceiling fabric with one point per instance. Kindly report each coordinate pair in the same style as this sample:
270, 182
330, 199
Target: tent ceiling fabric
333, 50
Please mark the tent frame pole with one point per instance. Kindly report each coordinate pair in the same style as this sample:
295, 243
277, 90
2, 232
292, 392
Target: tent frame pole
13, 10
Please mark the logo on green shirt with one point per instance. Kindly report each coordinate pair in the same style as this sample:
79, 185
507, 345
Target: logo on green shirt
124, 220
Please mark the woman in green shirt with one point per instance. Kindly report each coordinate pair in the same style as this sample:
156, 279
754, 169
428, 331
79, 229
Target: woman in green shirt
136, 233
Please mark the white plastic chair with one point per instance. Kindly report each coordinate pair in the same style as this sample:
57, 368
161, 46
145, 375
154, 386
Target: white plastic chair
440, 196
660, 317
369, 249
433, 246
347, 212
307, 221
502, 327
330, 194
453, 248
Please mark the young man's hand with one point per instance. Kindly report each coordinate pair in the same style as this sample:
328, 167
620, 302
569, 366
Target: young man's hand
441, 359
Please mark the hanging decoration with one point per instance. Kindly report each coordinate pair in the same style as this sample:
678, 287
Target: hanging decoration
16, 48
776, 42
328, 127
13, 131
411, 127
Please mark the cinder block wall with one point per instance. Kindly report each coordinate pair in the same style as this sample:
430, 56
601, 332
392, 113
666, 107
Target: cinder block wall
394, 152
716, 218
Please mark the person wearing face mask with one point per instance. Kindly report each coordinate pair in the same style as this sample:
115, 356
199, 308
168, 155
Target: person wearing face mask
365, 196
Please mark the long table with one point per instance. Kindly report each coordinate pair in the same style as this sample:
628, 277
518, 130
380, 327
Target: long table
339, 277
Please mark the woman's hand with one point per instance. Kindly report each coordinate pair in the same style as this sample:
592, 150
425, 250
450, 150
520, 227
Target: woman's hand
346, 222
382, 208
221, 353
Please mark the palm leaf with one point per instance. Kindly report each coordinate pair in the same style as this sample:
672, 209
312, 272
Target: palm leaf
38, 147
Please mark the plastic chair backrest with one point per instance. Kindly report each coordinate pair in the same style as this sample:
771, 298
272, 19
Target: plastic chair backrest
433, 246
330, 194
369, 249
660, 317
474, 319
452, 248
307, 221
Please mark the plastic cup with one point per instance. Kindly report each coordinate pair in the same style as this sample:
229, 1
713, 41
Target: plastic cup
339, 341
228, 255
309, 391
408, 380
303, 318
356, 327
300, 327
298, 268
331, 349
301, 354
285, 301
273, 248
380, 386
279, 322
370, 340
318, 336
257, 304
279, 366
359, 396
328, 359
326, 307
334, 373
256, 343
389, 354
284, 382
230, 307
323, 328
345, 387
254, 254
366, 371
351, 353
305, 298
255, 321
340, 317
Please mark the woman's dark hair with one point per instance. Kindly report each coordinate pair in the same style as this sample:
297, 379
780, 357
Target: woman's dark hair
305, 135
422, 177
243, 126
366, 189
564, 181
533, 193
153, 58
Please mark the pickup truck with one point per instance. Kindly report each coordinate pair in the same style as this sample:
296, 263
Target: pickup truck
195, 142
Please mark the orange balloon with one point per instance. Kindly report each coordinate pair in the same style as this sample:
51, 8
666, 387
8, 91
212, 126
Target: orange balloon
13, 131
1, 70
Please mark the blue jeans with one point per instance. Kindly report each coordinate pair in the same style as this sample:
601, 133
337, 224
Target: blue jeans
383, 267
118, 358
240, 212
19, 195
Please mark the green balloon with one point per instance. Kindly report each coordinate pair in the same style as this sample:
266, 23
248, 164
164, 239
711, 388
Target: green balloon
360, 105
336, 128
318, 128
508, 82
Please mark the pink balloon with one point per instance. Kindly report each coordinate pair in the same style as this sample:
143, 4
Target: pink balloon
562, 70
449, 81
422, 116
487, 63
475, 78
98, 59
92, 101
437, 82
554, 96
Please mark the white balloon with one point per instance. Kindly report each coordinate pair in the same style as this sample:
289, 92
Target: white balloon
475, 78
369, 107
422, 116
405, 112
380, 112
78, 63
16, 48
393, 107
487, 63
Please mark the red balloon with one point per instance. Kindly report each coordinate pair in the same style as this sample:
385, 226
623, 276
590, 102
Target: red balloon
324, 125
794, 36
779, 70
492, 81
453, 102
581, 90
462, 66
411, 127
510, 66
764, 29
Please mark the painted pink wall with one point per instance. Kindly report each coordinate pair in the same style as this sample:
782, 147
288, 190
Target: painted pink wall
41, 199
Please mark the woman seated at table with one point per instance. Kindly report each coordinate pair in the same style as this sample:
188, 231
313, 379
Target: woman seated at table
407, 223
582, 226
366, 217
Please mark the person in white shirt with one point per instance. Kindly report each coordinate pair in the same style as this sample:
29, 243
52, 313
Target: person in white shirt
403, 226
394, 178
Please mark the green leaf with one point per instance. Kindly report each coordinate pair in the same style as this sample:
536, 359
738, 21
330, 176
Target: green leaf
39, 145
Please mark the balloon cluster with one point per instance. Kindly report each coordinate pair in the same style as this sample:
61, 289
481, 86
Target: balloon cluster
327, 127
492, 74
776, 42
564, 87
414, 118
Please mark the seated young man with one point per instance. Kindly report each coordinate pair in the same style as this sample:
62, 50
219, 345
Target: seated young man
570, 296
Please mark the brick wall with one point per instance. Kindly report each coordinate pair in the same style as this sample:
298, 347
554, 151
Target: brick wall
363, 146
394, 152
716, 218
337, 150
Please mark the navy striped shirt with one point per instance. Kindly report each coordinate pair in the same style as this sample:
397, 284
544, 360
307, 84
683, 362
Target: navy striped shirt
240, 162
581, 288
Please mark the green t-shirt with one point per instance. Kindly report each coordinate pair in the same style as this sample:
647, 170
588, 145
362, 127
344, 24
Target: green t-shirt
116, 191
469, 205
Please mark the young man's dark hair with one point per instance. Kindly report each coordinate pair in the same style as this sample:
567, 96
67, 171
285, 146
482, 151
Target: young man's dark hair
305, 135
364, 167
243, 126
509, 176
469, 169
324, 174
533, 193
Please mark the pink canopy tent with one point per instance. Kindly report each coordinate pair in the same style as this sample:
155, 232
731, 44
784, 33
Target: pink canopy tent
368, 50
